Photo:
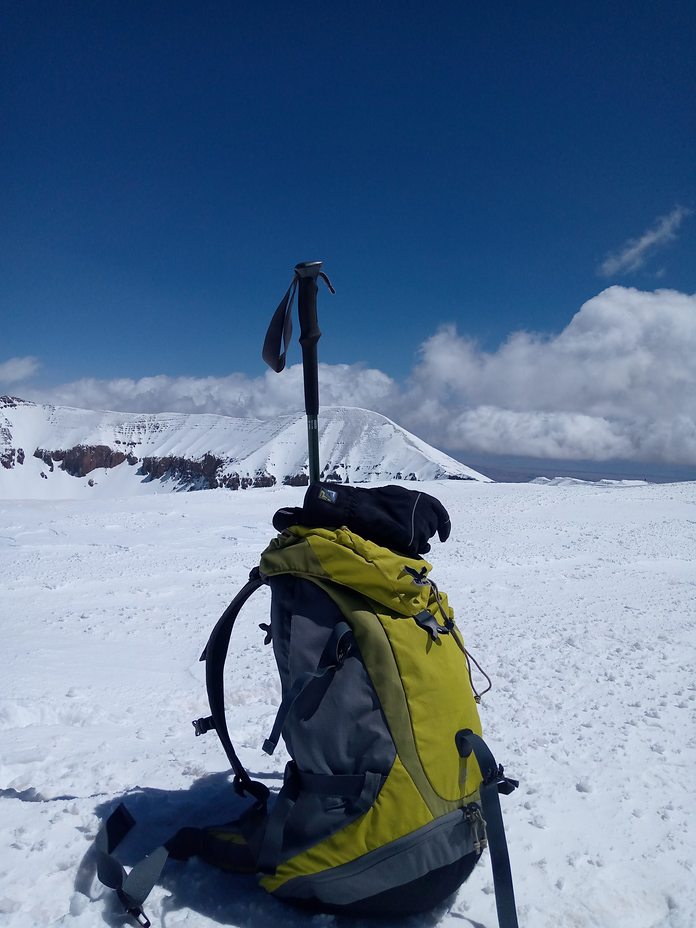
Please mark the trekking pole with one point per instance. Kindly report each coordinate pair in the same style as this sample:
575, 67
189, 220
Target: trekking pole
309, 336
280, 330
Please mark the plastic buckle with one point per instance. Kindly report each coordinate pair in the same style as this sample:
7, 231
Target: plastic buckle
506, 785
140, 917
344, 647
201, 726
427, 621
135, 911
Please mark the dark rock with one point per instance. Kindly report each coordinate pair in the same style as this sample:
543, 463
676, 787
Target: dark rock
82, 459
44, 456
201, 474
297, 480
11, 456
12, 402
264, 480
237, 482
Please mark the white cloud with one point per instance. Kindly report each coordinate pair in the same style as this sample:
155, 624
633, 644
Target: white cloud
618, 381
538, 434
17, 370
633, 253
235, 395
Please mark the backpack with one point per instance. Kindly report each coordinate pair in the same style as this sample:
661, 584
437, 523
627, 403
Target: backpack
391, 794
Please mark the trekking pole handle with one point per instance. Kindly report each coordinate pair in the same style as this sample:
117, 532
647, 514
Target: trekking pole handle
310, 333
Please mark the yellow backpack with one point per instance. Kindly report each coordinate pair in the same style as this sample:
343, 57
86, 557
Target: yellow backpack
390, 795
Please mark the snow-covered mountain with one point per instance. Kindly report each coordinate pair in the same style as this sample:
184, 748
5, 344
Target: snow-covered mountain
60, 451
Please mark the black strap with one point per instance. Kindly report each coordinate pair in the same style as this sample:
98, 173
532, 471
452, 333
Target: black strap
280, 331
306, 681
215, 655
332, 657
134, 887
272, 843
362, 788
494, 782
131, 888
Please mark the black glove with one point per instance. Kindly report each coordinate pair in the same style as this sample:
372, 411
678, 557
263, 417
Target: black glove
394, 517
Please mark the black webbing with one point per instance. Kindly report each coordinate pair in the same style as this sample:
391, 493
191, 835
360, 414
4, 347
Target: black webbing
134, 887
272, 843
280, 331
361, 787
215, 655
332, 657
494, 782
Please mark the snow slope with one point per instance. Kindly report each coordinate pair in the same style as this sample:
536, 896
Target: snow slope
190, 451
578, 600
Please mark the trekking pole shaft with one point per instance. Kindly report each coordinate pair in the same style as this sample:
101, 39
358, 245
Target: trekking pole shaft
309, 336
313, 447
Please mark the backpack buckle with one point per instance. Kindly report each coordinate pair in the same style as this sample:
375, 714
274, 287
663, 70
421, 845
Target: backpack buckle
140, 917
506, 785
201, 726
428, 621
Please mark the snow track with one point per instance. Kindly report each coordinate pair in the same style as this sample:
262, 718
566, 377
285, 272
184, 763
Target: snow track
577, 599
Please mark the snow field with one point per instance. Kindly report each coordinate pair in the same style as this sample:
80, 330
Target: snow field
577, 599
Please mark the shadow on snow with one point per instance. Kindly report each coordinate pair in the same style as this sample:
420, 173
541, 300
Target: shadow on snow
225, 898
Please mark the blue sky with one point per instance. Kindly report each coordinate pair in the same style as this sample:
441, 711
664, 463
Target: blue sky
488, 166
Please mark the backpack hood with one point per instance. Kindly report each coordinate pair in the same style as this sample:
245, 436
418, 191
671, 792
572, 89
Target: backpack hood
394, 580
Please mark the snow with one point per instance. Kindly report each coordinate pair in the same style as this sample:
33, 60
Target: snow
361, 445
578, 599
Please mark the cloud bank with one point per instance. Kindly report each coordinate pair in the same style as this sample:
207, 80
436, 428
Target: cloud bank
618, 382
634, 253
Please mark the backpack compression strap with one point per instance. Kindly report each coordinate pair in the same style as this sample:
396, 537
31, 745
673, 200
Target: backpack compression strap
214, 655
494, 782
134, 887
131, 888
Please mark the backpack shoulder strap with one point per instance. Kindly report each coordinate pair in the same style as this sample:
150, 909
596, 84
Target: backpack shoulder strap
215, 655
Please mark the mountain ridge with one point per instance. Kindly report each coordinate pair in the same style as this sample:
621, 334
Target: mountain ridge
189, 451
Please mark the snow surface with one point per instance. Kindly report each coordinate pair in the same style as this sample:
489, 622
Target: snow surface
578, 600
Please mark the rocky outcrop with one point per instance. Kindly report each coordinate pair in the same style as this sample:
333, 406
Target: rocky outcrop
11, 456
12, 402
296, 480
204, 474
197, 475
208, 473
83, 459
